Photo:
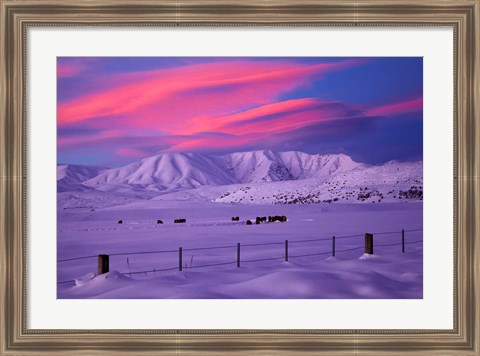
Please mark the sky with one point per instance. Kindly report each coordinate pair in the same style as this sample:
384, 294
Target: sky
112, 111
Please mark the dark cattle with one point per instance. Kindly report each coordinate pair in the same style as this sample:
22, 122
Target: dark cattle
249, 222
179, 221
235, 218
278, 218
269, 219
159, 221
120, 221
260, 219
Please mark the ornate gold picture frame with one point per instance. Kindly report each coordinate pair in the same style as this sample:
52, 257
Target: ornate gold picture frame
16, 16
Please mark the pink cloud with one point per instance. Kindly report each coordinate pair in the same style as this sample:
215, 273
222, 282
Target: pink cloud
403, 107
276, 117
238, 99
172, 98
223, 122
71, 141
244, 128
68, 70
287, 122
264, 123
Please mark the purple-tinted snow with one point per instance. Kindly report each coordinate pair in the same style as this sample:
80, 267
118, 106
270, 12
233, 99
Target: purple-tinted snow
321, 195
389, 274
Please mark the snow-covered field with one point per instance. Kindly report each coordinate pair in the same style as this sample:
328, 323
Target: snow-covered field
321, 195
388, 273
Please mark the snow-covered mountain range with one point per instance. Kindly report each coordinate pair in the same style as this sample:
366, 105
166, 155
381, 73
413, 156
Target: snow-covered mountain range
273, 176
71, 176
191, 170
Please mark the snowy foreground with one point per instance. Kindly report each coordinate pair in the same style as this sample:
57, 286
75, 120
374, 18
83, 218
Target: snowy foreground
388, 273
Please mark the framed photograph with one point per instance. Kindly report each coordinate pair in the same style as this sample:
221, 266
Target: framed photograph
185, 177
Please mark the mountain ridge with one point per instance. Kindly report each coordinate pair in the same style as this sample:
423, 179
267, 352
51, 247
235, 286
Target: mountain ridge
169, 171
71, 176
254, 177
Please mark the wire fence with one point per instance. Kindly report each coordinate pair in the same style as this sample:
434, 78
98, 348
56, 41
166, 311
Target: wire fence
286, 256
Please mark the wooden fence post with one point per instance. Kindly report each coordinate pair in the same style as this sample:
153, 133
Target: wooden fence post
369, 243
286, 250
238, 254
403, 241
333, 246
180, 257
103, 264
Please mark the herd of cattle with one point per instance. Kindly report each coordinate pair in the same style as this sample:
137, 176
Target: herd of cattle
258, 220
